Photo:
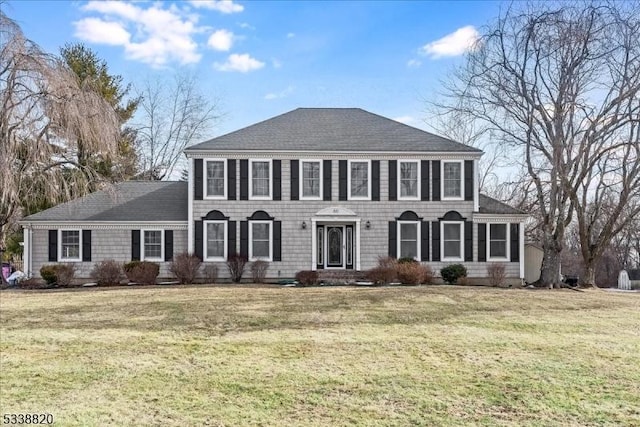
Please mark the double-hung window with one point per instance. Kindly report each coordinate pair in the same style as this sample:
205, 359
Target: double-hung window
215, 240
152, 248
409, 181
260, 240
260, 174
452, 180
215, 185
359, 180
70, 245
408, 239
311, 181
452, 241
498, 241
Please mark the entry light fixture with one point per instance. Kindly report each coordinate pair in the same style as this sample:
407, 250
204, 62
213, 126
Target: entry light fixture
367, 224
304, 225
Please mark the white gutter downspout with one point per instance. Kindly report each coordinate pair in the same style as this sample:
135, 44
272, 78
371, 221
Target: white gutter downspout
190, 231
521, 226
26, 238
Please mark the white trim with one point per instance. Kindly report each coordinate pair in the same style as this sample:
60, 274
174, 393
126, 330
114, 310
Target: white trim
399, 179
349, 196
338, 220
250, 179
205, 173
507, 256
205, 239
499, 218
442, 196
142, 245
301, 179
476, 185
109, 225
26, 234
343, 228
332, 155
190, 227
521, 244
461, 225
60, 258
267, 221
418, 224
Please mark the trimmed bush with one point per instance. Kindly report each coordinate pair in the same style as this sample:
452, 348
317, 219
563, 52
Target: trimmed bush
107, 272
236, 264
211, 273
382, 275
307, 277
185, 267
259, 271
496, 273
142, 272
452, 273
59, 274
414, 273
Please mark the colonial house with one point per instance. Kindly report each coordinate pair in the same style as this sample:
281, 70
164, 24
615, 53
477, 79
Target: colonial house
311, 189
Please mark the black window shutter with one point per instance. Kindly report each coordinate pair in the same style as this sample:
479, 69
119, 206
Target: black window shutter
468, 241
393, 180
424, 249
86, 245
320, 249
393, 239
435, 191
326, 172
168, 245
53, 245
295, 184
199, 239
515, 242
342, 175
198, 179
277, 179
375, 180
231, 179
244, 179
277, 240
424, 180
231, 238
135, 245
468, 180
244, 238
482, 242
435, 241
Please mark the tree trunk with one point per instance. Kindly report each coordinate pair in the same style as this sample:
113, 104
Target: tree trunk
550, 270
589, 279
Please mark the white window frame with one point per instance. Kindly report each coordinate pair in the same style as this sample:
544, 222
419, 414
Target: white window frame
459, 224
206, 240
442, 196
206, 179
60, 258
349, 196
251, 196
251, 257
399, 191
418, 225
507, 246
301, 179
143, 256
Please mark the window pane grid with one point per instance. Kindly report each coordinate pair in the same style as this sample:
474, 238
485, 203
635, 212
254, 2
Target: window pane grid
408, 240
498, 240
451, 241
359, 179
260, 240
311, 179
215, 178
408, 179
260, 178
452, 179
215, 240
70, 244
153, 244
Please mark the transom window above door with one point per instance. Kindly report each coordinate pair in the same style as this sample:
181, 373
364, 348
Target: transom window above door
311, 179
261, 177
215, 187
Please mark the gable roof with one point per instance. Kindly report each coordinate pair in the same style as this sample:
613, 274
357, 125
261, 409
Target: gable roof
489, 205
125, 201
332, 129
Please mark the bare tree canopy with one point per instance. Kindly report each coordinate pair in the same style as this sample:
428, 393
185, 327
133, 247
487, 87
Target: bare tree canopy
44, 113
173, 115
560, 84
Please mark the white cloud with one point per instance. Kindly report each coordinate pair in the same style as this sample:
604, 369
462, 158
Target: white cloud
223, 6
291, 35
239, 62
247, 26
96, 30
413, 63
154, 35
221, 40
454, 44
282, 94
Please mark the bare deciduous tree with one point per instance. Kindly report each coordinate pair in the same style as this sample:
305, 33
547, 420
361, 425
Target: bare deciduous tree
172, 116
44, 112
559, 84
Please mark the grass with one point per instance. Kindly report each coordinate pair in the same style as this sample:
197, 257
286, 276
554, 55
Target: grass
178, 356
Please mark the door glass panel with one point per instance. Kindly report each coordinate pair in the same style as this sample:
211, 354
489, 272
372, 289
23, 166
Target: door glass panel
334, 246
320, 246
349, 245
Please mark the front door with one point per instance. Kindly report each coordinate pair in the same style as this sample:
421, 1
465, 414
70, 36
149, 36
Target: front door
335, 246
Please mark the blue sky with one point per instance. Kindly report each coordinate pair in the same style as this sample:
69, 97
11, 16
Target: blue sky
261, 58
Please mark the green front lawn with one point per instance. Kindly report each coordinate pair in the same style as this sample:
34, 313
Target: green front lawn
441, 355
